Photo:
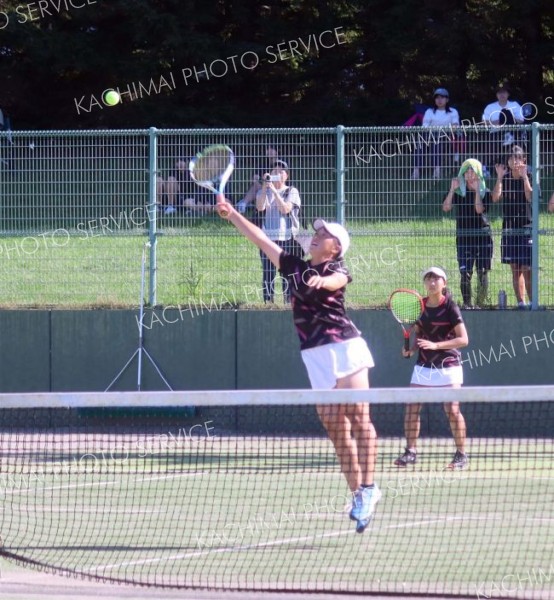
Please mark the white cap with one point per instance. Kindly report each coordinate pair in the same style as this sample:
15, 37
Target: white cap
337, 231
437, 271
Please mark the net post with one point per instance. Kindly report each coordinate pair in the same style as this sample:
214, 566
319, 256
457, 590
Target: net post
152, 211
535, 163
340, 174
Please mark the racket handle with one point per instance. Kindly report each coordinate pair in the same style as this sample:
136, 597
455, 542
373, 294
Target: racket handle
221, 206
407, 344
222, 211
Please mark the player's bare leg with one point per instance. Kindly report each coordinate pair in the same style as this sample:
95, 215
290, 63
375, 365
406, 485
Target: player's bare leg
412, 423
363, 430
338, 427
367, 494
459, 431
457, 424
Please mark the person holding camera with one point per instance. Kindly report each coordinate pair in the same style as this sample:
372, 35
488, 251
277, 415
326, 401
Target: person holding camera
279, 206
248, 202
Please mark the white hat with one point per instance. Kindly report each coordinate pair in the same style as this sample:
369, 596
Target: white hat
437, 271
337, 231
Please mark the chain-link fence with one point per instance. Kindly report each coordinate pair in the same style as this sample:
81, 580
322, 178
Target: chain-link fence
77, 208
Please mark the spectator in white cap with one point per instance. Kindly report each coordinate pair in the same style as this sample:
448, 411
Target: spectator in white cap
440, 332
499, 116
332, 349
441, 115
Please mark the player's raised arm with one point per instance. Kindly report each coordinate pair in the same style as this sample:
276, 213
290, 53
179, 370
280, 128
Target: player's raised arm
249, 230
333, 282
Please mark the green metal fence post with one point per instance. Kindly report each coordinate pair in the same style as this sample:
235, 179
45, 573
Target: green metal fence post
152, 211
535, 163
340, 175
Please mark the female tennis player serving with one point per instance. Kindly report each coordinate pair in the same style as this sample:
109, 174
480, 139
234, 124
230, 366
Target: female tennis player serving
440, 331
334, 353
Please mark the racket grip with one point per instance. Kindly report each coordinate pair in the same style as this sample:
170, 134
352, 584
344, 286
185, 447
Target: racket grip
221, 206
407, 344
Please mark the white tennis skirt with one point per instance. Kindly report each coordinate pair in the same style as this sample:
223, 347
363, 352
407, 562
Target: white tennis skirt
437, 376
325, 364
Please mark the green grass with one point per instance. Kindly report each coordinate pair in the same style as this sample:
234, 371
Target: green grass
209, 263
174, 517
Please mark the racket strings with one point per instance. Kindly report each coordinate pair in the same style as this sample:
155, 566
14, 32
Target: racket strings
406, 307
212, 165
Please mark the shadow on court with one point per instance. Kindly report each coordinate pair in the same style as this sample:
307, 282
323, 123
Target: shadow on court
25, 584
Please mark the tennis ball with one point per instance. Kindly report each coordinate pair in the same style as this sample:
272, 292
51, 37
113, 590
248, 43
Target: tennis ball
111, 97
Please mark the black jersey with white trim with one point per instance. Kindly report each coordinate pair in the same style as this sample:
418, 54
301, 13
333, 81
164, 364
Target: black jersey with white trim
319, 314
437, 324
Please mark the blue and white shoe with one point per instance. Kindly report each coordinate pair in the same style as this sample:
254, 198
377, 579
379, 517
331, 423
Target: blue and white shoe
363, 506
356, 505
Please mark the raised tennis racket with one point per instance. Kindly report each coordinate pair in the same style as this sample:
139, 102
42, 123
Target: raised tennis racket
406, 307
211, 169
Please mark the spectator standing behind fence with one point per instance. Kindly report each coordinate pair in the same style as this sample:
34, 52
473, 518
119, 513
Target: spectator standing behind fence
441, 115
280, 205
514, 189
474, 245
249, 199
498, 115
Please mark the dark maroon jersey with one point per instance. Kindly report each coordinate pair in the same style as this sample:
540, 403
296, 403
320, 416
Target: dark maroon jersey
437, 324
516, 210
319, 315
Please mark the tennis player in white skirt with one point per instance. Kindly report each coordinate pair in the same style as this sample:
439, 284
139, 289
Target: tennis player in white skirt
332, 349
440, 333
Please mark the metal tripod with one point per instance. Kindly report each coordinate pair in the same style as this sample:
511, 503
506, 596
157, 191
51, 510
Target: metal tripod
141, 349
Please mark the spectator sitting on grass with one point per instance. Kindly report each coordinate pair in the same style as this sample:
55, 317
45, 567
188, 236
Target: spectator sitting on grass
180, 192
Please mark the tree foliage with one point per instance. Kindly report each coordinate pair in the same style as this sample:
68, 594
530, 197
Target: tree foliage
387, 55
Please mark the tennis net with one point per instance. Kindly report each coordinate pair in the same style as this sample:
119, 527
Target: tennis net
245, 493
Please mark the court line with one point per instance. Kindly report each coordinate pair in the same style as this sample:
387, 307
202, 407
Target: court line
173, 476
98, 483
269, 544
83, 510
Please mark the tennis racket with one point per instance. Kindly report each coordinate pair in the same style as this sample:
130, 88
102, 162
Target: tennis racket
406, 307
211, 169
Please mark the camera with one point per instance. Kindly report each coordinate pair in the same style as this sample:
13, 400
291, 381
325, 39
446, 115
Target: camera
271, 178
